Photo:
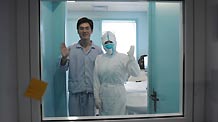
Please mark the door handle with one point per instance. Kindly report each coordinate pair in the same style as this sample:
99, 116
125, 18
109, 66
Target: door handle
154, 97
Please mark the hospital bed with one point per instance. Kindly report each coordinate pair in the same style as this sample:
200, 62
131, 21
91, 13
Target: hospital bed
136, 89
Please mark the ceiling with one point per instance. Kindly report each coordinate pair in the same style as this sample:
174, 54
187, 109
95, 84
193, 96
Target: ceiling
107, 6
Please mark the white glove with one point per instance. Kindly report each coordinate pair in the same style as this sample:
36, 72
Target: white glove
98, 103
131, 52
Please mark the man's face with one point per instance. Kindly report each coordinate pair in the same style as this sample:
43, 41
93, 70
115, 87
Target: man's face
84, 31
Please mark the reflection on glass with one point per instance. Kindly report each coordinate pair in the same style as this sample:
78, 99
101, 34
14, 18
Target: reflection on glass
158, 34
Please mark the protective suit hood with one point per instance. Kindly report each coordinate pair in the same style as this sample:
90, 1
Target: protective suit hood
109, 42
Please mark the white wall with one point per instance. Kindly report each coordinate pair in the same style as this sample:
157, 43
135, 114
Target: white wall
199, 60
8, 67
212, 61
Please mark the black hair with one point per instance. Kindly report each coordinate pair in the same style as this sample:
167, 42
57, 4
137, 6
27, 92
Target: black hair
84, 20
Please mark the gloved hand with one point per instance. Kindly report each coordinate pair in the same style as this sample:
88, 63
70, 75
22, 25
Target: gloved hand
98, 103
131, 52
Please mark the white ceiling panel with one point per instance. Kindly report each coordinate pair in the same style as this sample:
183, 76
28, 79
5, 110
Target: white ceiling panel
107, 6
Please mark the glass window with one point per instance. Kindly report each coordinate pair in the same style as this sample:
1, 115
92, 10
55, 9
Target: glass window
154, 28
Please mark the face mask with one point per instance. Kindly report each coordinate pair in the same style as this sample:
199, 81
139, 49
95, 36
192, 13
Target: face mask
109, 48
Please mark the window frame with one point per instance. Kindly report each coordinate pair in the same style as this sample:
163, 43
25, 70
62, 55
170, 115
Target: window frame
28, 40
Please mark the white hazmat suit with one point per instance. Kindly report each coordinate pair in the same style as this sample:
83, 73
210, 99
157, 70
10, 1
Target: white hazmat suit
111, 71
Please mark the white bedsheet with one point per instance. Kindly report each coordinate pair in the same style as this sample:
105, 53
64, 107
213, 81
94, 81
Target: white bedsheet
136, 97
133, 86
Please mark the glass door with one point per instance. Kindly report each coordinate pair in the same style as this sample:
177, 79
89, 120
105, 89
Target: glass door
165, 57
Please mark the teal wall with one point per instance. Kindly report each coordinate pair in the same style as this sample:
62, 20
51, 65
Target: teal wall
97, 17
52, 33
165, 54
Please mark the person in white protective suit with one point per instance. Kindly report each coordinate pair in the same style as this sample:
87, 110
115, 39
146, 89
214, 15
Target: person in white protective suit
111, 71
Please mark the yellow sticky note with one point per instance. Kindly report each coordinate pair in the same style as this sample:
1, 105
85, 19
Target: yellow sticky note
36, 89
